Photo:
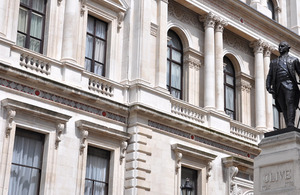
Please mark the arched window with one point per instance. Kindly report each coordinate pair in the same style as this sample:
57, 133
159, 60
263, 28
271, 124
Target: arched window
271, 8
229, 88
174, 65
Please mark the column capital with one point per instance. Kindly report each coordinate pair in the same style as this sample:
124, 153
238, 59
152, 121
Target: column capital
268, 50
258, 46
209, 20
220, 24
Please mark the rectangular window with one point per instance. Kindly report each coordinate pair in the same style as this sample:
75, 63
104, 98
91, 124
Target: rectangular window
188, 181
95, 51
31, 24
97, 171
26, 165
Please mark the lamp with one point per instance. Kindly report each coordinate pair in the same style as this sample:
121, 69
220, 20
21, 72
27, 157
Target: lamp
187, 188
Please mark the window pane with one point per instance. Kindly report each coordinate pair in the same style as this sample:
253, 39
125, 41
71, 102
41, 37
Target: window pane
23, 17
176, 76
168, 53
100, 188
176, 56
97, 164
26, 163
23, 181
98, 69
90, 25
229, 80
21, 39
35, 45
100, 29
89, 47
175, 93
175, 40
168, 73
100, 51
192, 176
88, 189
36, 26
26, 2
88, 65
229, 98
38, 5
230, 113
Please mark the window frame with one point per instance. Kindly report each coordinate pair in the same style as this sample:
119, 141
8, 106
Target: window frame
27, 34
108, 167
271, 7
198, 173
93, 35
30, 134
225, 74
169, 63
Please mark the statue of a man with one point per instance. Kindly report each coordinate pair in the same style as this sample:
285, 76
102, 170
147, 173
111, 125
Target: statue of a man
282, 84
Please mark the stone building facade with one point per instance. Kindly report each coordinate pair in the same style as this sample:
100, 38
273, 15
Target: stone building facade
135, 96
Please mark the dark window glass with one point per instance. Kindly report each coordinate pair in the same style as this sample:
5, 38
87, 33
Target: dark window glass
96, 41
97, 171
31, 24
26, 165
229, 88
192, 176
174, 65
271, 8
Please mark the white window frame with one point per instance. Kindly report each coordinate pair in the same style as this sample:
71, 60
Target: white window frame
105, 138
113, 15
47, 122
194, 159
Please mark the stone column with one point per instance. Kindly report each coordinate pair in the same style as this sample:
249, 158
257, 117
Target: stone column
161, 67
70, 35
260, 106
209, 61
269, 107
219, 64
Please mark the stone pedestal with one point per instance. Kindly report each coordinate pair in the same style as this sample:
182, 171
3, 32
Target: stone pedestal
277, 168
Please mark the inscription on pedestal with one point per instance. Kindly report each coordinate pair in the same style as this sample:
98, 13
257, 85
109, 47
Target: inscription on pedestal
276, 176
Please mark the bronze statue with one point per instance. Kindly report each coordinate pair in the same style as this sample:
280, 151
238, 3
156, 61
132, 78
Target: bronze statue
282, 84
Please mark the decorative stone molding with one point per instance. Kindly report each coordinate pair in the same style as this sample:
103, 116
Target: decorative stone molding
9, 120
14, 106
181, 13
83, 7
236, 42
59, 2
153, 29
209, 20
178, 161
208, 171
246, 86
268, 50
123, 150
59, 129
121, 16
258, 46
34, 63
193, 59
203, 157
220, 24
87, 127
83, 142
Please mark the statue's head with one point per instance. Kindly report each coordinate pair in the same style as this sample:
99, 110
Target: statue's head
283, 47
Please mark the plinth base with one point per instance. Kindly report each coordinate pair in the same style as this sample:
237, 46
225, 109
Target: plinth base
281, 131
276, 169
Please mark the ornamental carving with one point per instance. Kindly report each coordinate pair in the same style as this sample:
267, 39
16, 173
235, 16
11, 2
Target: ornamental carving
234, 41
258, 46
183, 14
9, 121
192, 62
246, 86
123, 148
59, 129
209, 20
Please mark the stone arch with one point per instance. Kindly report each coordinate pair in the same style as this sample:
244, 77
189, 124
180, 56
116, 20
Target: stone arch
183, 34
236, 61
